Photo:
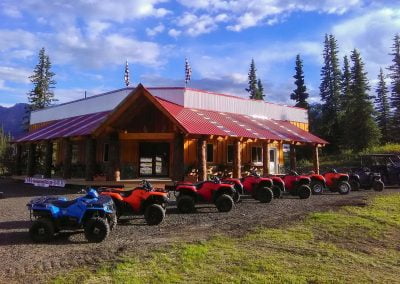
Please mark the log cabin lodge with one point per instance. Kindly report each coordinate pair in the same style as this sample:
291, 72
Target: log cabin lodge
166, 132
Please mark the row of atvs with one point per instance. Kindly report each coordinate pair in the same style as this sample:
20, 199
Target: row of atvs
98, 211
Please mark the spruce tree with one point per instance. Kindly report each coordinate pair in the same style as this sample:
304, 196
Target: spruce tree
254, 84
42, 95
394, 75
382, 107
345, 82
260, 89
330, 93
361, 129
300, 94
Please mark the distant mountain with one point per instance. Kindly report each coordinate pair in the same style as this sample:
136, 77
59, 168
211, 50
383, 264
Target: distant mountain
11, 118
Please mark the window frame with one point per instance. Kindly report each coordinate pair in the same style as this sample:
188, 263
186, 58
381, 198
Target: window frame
260, 161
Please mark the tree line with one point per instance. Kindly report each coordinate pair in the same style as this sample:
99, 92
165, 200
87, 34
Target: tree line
349, 116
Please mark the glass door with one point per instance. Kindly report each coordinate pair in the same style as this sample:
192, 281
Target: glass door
153, 159
273, 161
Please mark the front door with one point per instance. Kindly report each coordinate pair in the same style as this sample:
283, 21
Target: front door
273, 161
153, 159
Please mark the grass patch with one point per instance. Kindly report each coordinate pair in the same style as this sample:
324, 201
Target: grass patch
355, 244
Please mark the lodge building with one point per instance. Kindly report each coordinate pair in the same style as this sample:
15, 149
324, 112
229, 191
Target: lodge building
162, 132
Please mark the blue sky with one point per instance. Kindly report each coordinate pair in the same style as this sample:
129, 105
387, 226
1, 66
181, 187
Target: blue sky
88, 42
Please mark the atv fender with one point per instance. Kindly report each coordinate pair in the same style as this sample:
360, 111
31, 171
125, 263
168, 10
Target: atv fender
304, 181
155, 199
343, 177
228, 190
113, 195
265, 183
279, 182
354, 177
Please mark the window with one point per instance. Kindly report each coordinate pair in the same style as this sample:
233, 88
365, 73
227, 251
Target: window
229, 154
256, 155
210, 153
106, 152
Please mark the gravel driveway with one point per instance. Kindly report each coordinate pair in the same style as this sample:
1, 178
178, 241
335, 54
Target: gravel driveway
24, 261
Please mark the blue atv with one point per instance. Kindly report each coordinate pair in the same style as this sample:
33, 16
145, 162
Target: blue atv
94, 213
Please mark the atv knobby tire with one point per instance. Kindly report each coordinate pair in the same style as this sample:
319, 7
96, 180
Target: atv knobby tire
344, 187
154, 214
276, 190
317, 187
378, 185
185, 203
304, 192
224, 203
355, 185
264, 194
42, 230
96, 230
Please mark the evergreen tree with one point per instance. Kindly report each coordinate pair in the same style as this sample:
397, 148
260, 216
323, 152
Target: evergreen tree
394, 74
260, 89
42, 94
330, 93
361, 129
254, 84
382, 107
300, 94
345, 83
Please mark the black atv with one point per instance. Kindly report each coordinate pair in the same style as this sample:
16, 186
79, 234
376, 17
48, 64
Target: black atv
366, 179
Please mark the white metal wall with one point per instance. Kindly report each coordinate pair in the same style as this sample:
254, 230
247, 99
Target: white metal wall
188, 98
102, 102
216, 102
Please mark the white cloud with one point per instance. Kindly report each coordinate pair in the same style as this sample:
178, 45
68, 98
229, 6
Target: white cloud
174, 33
156, 30
16, 75
90, 10
372, 35
249, 13
197, 25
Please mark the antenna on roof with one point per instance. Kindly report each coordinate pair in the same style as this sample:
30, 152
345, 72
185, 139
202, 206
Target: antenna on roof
188, 72
126, 77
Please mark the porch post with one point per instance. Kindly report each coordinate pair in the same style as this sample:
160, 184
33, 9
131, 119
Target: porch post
178, 159
30, 166
202, 158
237, 159
114, 170
90, 158
316, 159
293, 165
48, 162
67, 158
18, 160
266, 158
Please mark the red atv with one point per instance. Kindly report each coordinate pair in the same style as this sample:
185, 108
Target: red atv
140, 200
210, 191
318, 183
260, 188
337, 182
297, 185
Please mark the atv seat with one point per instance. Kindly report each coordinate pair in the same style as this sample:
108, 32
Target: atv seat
62, 203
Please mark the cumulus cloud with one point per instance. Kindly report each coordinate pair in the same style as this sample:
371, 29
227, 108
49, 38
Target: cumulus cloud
174, 33
249, 13
156, 30
372, 35
18, 75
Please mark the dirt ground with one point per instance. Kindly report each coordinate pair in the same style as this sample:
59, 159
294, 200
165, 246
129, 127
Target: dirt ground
24, 261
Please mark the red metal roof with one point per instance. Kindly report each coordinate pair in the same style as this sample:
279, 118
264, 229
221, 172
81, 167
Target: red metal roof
204, 122
194, 121
73, 126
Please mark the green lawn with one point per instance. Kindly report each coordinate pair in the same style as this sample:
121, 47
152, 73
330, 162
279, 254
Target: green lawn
353, 245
